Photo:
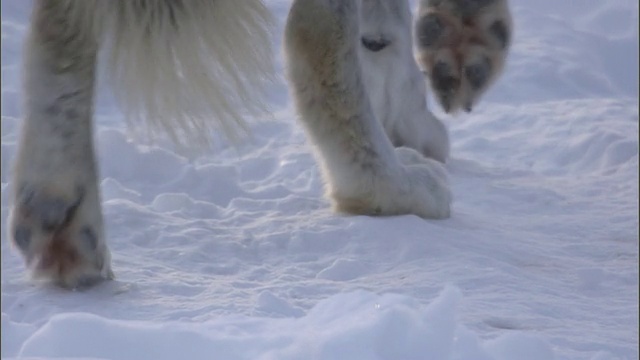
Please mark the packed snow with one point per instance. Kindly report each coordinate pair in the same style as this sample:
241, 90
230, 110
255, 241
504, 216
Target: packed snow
235, 254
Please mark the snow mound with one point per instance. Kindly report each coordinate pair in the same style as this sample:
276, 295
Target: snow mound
355, 325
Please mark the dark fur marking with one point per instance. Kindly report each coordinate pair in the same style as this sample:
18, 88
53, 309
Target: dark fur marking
444, 84
374, 45
68, 96
469, 8
25, 194
468, 107
443, 81
52, 213
61, 111
22, 237
478, 74
89, 238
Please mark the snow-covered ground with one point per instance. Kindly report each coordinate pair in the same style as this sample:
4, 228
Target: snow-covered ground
236, 255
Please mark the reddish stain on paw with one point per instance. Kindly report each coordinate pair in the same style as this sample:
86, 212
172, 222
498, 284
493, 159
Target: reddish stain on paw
59, 258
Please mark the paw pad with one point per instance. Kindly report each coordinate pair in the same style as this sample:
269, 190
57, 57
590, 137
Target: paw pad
429, 30
472, 38
445, 84
478, 74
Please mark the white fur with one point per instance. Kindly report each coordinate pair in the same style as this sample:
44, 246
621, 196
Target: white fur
56, 195
395, 83
363, 172
185, 67
464, 37
192, 70
189, 68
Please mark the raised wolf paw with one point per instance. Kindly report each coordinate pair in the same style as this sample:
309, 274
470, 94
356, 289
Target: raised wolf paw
462, 47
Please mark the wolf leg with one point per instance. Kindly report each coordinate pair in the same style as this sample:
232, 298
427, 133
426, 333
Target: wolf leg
363, 172
395, 85
56, 221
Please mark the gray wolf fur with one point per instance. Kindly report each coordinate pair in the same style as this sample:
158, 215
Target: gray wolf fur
194, 68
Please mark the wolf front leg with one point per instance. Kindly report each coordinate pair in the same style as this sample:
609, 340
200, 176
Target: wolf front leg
396, 88
56, 221
364, 174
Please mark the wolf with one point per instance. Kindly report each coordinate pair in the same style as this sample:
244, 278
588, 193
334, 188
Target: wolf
193, 69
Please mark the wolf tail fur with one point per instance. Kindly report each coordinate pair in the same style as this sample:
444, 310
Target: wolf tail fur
185, 68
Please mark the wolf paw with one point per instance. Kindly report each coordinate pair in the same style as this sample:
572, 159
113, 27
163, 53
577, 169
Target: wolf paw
429, 184
58, 231
420, 187
462, 47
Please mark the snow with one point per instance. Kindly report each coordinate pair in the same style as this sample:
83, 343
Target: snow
359, 325
236, 255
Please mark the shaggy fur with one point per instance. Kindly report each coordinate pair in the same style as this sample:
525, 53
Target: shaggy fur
364, 174
187, 68
194, 68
